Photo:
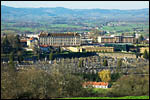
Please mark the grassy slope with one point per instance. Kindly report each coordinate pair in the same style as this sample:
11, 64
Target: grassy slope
126, 97
105, 91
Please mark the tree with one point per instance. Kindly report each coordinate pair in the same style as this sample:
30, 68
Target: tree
11, 57
115, 77
6, 46
16, 43
119, 63
105, 75
134, 85
137, 50
51, 56
136, 41
105, 62
38, 56
59, 49
20, 56
145, 54
8, 81
35, 50
141, 38
134, 34
80, 63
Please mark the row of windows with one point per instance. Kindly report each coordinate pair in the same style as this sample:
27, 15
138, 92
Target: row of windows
58, 41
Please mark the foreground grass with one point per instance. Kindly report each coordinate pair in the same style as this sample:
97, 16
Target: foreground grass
126, 97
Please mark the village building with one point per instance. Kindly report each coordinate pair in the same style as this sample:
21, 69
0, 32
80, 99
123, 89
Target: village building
31, 42
115, 39
91, 49
59, 39
95, 84
143, 49
98, 49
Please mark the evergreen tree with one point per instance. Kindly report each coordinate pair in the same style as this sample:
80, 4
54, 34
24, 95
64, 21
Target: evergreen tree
6, 45
119, 63
16, 43
136, 41
38, 56
145, 55
105, 63
51, 56
134, 34
59, 50
11, 59
80, 63
20, 56
141, 38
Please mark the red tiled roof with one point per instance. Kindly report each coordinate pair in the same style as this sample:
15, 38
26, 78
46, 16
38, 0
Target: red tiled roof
23, 40
96, 83
43, 45
31, 38
57, 34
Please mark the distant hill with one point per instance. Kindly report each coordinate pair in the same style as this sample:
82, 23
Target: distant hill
11, 13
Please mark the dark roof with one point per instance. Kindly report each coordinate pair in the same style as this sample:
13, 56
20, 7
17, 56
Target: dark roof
57, 34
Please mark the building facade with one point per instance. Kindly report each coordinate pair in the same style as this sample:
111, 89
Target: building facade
95, 84
116, 39
32, 42
91, 49
98, 49
59, 39
143, 49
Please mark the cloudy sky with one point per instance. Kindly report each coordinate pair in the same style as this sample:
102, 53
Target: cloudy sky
123, 5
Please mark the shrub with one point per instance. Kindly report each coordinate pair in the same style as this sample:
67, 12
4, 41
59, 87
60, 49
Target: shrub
131, 85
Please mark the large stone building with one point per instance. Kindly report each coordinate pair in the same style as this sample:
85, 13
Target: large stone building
115, 39
59, 39
98, 49
91, 49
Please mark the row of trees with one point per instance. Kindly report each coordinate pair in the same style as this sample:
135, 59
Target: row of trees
11, 45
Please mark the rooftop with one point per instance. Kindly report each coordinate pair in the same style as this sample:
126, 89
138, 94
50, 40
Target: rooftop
44, 46
44, 34
112, 36
96, 83
23, 40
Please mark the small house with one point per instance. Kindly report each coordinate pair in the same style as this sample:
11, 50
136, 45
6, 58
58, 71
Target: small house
95, 84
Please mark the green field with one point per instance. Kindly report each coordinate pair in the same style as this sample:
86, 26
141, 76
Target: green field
128, 27
123, 28
126, 97
64, 25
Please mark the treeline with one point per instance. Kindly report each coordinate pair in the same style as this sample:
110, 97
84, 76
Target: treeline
74, 55
11, 47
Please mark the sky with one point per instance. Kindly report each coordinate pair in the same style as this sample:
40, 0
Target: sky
122, 5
